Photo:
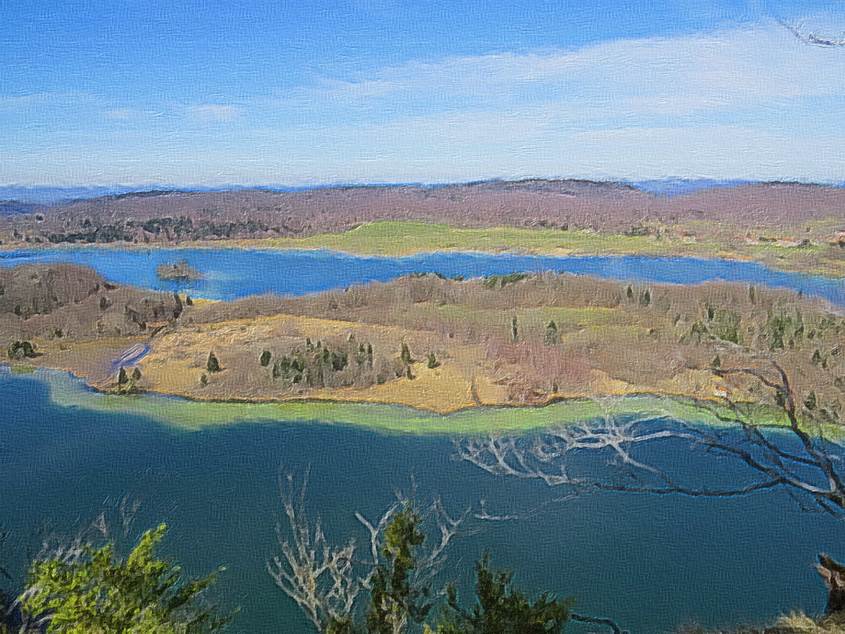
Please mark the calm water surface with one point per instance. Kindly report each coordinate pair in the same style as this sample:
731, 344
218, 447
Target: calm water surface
232, 273
650, 562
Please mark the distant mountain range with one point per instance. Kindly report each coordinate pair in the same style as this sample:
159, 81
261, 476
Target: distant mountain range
22, 199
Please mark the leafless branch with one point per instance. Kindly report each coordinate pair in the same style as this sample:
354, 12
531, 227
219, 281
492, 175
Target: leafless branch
812, 38
796, 459
325, 580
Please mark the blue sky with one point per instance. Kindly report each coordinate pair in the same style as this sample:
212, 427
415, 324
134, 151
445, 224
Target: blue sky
285, 92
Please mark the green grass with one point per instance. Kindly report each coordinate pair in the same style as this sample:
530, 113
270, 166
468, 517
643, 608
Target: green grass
189, 415
397, 238
402, 238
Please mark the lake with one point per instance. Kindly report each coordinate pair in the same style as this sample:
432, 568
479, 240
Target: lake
649, 562
232, 273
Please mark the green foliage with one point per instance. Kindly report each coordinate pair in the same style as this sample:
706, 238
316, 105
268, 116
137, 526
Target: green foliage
264, 360
122, 378
101, 594
645, 298
783, 331
317, 365
514, 329
405, 355
394, 599
21, 350
212, 365
500, 281
136, 374
502, 610
725, 325
432, 361
551, 337
204, 380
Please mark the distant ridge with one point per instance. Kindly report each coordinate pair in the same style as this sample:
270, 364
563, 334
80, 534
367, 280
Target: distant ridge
49, 195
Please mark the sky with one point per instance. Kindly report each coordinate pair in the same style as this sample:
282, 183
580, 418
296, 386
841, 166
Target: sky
300, 92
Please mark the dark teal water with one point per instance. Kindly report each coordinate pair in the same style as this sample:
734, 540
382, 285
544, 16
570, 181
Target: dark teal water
231, 273
649, 562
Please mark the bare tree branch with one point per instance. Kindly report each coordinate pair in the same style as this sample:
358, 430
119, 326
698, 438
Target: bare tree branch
325, 580
812, 38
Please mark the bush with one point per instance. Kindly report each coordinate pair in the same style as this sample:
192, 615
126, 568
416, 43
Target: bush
212, 365
21, 350
99, 592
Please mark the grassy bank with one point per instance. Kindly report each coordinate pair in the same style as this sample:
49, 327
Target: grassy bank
409, 238
186, 414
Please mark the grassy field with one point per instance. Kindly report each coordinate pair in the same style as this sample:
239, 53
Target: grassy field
404, 238
396, 238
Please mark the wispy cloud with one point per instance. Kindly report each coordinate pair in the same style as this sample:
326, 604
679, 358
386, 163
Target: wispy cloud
724, 69
213, 112
747, 102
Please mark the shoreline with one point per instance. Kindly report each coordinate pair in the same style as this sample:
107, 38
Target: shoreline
382, 240
189, 414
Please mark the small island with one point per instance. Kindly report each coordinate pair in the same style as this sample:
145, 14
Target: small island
179, 271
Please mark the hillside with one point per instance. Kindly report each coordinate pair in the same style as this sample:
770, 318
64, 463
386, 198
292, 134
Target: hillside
443, 345
777, 210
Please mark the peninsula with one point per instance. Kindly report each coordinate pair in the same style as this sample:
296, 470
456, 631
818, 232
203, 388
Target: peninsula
423, 341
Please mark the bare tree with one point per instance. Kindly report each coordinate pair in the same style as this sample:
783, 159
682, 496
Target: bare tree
326, 581
799, 455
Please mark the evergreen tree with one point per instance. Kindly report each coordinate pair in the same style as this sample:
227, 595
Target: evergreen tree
212, 365
394, 597
122, 378
264, 360
136, 374
99, 592
432, 361
514, 329
405, 355
552, 337
502, 610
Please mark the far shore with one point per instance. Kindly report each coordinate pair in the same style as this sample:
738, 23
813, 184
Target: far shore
408, 238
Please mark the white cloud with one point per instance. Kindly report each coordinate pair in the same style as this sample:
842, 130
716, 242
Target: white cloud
740, 67
750, 102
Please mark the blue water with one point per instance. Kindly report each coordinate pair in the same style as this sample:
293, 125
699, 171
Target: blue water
232, 273
651, 562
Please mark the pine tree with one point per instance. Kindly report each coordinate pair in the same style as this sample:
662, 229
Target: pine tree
514, 329
265, 358
122, 378
405, 355
212, 365
136, 374
552, 338
432, 361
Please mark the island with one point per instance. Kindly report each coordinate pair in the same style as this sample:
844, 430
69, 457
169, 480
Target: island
179, 271
425, 341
